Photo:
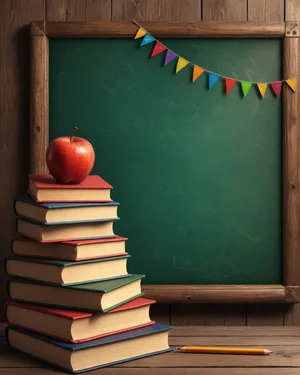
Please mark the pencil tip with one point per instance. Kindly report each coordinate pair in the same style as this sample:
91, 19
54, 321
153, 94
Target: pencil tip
268, 351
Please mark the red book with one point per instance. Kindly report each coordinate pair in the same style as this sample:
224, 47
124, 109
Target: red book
70, 250
44, 188
77, 326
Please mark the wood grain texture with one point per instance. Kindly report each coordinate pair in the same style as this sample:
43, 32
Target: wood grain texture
292, 13
215, 294
39, 102
197, 315
224, 10
153, 371
235, 315
14, 113
291, 29
292, 10
274, 331
156, 10
78, 10
236, 341
265, 315
159, 29
265, 10
208, 315
291, 167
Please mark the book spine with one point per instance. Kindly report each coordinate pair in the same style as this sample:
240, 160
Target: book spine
15, 206
5, 313
5, 265
8, 289
12, 245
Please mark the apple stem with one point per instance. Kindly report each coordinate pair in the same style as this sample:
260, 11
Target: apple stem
74, 130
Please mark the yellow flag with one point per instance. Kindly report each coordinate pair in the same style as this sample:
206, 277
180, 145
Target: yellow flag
181, 64
292, 83
141, 32
262, 87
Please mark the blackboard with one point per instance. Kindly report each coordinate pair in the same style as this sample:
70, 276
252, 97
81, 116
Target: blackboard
197, 172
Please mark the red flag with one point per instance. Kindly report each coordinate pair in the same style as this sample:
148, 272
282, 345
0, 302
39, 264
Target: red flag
229, 83
276, 86
158, 49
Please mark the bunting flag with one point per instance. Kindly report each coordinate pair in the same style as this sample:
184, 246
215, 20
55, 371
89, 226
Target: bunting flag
197, 72
229, 83
276, 86
292, 83
181, 63
212, 76
146, 40
262, 87
141, 32
169, 57
158, 49
212, 79
246, 87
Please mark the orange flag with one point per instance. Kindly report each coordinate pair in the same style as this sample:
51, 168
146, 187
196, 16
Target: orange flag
197, 72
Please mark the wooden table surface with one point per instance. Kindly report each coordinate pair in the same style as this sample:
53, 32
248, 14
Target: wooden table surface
283, 341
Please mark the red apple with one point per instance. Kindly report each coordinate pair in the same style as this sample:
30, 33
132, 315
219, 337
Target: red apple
70, 159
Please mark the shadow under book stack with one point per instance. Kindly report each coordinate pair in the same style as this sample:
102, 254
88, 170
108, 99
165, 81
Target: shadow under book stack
72, 302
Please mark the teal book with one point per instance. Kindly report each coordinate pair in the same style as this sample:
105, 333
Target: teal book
65, 212
65, 272
94, 354
98, 296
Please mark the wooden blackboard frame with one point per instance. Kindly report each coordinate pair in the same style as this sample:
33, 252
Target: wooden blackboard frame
289, 292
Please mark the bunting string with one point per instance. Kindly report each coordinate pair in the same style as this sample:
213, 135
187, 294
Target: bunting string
213, 77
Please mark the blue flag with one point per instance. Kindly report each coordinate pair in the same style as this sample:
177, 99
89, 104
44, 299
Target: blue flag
146, 40
212, 79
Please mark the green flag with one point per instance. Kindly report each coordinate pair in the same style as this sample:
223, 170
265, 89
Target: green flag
246, 87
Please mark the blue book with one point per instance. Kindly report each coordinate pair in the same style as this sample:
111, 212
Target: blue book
94, 354
64, 213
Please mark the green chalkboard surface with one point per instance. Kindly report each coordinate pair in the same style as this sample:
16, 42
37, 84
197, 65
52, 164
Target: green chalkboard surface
197, 172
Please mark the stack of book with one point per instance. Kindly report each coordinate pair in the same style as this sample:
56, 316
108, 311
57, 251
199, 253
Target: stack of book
72, 302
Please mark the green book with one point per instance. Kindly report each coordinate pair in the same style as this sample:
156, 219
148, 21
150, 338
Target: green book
98, 296
65, 272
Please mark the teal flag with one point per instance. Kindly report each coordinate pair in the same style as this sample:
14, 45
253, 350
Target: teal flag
146, 40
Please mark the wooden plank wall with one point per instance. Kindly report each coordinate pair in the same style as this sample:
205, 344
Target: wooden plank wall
14, 114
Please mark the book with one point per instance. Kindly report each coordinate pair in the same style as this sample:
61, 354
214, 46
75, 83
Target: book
46, 232
70, 250
57, 213
44, 188
98, 296
65, 272
90, 355
79, 326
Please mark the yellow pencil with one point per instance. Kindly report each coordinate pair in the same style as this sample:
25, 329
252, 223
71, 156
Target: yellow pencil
223, 350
